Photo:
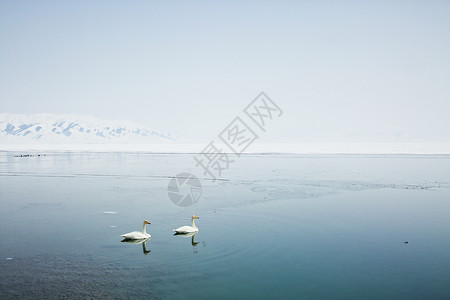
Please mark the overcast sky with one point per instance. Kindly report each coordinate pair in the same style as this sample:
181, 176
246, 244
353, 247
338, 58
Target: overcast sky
340, 70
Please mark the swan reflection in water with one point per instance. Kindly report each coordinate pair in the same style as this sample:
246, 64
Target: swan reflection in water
137, 242
190, 234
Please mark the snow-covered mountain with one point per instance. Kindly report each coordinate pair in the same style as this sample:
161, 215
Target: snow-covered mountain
74, 129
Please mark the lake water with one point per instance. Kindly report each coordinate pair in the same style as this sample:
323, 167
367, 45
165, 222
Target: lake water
274, 227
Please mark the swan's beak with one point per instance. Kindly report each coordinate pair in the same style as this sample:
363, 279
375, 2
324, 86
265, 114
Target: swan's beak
147, 222
196, 217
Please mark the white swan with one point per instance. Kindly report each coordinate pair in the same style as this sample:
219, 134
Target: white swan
136, 235
188, 229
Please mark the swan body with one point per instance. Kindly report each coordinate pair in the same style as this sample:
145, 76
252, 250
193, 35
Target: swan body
186, 235
137, 235
135, 242
139, 242
188, 229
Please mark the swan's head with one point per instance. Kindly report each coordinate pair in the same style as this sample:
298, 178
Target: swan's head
146, 222
195, 217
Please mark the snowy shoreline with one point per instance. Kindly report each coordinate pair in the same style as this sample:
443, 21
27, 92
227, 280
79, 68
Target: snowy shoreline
281, 148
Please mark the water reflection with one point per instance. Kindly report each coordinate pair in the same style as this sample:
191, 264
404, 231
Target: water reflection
137, 242
190, 234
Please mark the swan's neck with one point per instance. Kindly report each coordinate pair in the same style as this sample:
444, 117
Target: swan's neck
193, 223
143, 228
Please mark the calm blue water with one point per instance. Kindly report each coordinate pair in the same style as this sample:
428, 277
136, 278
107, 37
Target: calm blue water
277, 226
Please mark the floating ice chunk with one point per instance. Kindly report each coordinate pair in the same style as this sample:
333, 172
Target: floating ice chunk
110, 212
9, 258
113, 226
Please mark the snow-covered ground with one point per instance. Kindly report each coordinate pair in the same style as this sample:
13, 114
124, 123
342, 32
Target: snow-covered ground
50, 132
74, 129
298, 148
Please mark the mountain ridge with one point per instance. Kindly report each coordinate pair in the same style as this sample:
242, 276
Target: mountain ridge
73, 128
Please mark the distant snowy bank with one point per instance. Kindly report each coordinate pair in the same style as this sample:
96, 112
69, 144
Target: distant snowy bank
86, 133
297, 148
75, 129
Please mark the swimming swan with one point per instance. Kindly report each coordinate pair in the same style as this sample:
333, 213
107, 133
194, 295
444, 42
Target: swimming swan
136, 235
188, 229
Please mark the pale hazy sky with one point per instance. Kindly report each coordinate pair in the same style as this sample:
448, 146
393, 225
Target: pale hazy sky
340, 70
